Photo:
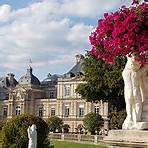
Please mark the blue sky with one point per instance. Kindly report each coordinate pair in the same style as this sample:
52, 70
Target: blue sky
49, 32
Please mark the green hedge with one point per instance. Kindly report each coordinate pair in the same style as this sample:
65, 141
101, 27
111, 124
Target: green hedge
14, 132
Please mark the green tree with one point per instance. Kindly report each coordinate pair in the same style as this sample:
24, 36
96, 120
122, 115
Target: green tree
2, 123
103, 81
55, 124
14, 132
93, 122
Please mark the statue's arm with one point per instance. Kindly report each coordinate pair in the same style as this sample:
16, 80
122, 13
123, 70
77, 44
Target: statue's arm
29, 132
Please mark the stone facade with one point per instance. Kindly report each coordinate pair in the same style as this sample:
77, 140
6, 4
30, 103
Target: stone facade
54, 96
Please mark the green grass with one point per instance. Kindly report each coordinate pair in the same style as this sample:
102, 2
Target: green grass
63, 144
0, 138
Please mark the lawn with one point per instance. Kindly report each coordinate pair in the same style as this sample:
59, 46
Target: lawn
63, 144
0, 139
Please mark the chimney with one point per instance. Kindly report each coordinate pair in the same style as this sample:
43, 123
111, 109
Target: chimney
79, 57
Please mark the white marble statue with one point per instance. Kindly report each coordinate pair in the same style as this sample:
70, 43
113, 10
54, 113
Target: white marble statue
133, 75
32, 135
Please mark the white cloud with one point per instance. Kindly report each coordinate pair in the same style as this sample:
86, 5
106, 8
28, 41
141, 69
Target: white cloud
45, 32
78, 33
5, 12
90, 8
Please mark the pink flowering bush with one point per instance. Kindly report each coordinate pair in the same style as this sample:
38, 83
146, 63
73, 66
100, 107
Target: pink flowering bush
122, 33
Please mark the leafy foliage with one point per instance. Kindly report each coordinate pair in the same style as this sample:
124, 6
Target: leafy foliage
103, 81
55, 124
2, 123
14, 132
117, 118
93, 122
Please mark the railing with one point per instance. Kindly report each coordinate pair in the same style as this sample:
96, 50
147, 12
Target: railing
77, 137
55, 136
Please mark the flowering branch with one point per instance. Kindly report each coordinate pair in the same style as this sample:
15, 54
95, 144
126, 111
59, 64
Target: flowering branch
122, 33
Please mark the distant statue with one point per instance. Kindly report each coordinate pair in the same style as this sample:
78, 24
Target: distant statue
133, 74
32, 135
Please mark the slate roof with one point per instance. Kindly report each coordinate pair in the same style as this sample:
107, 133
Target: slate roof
29, 78
3, 93
8, 81
76, 70
5, 83
50, 80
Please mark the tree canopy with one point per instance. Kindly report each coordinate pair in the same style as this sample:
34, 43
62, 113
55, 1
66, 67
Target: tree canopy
55, 124
103, 81
93, 122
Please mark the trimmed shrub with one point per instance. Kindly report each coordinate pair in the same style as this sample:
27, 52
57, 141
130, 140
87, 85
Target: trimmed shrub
93, 122
55, 124
14, 132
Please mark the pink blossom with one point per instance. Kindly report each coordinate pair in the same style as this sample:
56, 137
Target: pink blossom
120, 33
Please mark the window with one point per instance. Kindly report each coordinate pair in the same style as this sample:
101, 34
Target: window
66, 111
52, 111
40, 111
96, 109
51, 94
18, 110
5, 112
81, 111
67, 90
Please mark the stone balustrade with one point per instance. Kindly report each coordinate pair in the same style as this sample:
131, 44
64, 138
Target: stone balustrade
77, 137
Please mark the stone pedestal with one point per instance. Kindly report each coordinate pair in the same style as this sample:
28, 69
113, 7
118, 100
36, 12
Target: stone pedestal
144, 115
127, 138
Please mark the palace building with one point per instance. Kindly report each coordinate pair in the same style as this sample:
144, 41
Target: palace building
54, 96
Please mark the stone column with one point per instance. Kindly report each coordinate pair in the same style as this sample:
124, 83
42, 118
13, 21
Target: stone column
31, 106
72, 108
101, 108
105, 104
89, 107
57, 107
47, 109
96, 139
86, 108
75, 108
22, 108
61, 109
9, 110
